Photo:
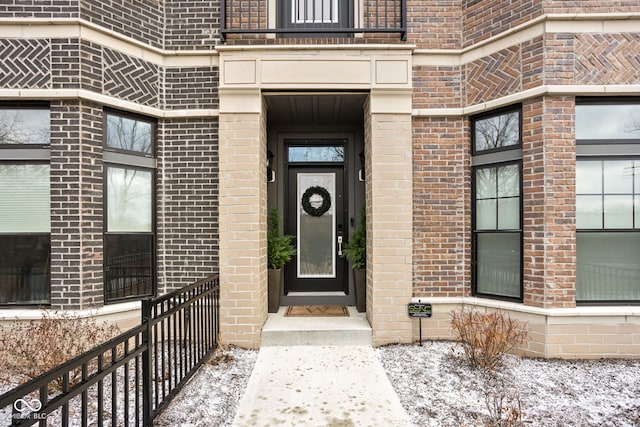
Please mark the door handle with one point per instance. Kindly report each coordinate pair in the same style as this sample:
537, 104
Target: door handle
339, 245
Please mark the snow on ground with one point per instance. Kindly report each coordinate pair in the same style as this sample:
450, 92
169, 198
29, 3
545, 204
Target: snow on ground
438, 390
212, 395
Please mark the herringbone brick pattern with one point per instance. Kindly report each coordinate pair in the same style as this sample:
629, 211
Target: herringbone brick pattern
607, 59
130, 78
494, 76
25, 64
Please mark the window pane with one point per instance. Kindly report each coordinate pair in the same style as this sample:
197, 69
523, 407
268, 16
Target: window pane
25, 269
129, 205
508, 181
618, 211
498, 131
589, 212
486, 183
128, 265
333, 153
607, 266
509, 214
608, 121
498, 264
24, 126
129, 134
588, 177
636, 203
25, 200
314, 11
486, 214
618, 176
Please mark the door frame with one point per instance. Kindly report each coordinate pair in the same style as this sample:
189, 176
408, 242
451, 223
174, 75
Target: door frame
354, 200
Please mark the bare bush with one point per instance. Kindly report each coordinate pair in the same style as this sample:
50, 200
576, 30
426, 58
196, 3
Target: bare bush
486, 337
30, 349
505, 407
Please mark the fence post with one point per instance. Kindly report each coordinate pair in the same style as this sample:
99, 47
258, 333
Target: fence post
147, 394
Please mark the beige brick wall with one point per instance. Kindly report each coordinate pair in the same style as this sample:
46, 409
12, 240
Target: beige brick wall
388, 152
581, 333
243, 252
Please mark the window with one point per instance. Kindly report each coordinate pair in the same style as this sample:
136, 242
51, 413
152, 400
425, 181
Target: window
129, 212
25, 205
497, 205
310, 15
608, 201
314, 11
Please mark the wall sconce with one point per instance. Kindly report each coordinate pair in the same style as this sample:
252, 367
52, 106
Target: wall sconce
361, 171
271, 174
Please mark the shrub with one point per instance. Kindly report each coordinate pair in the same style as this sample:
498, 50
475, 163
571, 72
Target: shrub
505, 407
30, 349
280, 248
485, 337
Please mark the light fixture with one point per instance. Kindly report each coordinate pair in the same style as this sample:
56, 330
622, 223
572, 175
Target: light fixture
271, 174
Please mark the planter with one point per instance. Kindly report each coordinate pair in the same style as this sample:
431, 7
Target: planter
360, 284
274, 280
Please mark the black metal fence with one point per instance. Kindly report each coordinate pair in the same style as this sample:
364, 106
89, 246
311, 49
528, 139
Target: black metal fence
129, 379
313, 17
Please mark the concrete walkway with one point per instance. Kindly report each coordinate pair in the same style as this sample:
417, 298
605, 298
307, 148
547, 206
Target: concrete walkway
319, 385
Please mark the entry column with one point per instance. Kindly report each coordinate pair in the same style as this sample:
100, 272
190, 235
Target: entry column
389, 186
242, 217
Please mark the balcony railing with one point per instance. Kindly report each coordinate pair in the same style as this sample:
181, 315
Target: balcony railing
313, 18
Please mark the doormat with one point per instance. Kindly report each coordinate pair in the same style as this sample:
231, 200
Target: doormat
316, 311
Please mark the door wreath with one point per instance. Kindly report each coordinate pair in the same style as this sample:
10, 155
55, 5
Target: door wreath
306, 201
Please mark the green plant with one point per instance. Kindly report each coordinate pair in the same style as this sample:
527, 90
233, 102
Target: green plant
486, 337
355, 250
30, 349
280, 248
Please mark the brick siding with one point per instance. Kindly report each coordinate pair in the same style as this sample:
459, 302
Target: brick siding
25, 63
441, 200
191, 87
76, 205
191, 24
493, 76
434, 24
437, 87
486, 18
39, 9
187, 195
142, 20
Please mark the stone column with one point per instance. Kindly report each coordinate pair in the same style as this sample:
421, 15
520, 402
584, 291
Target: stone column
389, 184
242, 217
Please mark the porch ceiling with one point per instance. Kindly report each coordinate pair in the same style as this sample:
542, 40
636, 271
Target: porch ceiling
325, 109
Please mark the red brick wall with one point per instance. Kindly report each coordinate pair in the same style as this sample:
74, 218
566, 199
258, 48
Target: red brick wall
486, 18
441, 216
591, 6
434, 24
549, 202
437, 87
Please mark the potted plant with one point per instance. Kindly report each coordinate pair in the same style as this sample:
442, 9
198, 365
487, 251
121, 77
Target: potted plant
280, 249
355, 250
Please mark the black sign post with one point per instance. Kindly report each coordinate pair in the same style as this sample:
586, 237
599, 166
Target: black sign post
419, 310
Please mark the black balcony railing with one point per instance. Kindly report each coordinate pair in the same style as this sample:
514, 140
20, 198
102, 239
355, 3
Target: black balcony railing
314, 18
129, 379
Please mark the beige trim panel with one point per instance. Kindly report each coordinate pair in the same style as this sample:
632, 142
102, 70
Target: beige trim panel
316, 69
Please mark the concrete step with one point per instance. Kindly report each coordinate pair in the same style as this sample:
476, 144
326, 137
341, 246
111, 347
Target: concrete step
352, 330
